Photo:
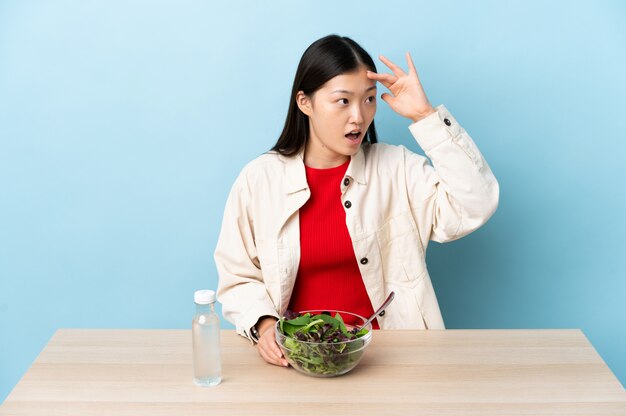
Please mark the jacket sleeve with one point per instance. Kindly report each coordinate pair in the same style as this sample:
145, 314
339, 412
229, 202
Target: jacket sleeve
241, 289
458, 193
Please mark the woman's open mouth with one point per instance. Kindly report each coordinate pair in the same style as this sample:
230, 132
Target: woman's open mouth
354, 136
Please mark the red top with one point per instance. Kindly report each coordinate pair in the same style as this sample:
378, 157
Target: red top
328, 275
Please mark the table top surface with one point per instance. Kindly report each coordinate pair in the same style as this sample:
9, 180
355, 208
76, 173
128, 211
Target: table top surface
435, 372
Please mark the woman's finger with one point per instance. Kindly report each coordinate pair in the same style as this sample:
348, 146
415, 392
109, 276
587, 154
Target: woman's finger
281, 357
277, 351
409, 60
395, 68
273, 346
386, 79
269, 355
388, 98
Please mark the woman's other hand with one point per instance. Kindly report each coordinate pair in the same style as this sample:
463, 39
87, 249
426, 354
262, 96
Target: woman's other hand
408, 99
267, 346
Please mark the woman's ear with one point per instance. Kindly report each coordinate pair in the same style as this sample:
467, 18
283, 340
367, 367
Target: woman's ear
304, 103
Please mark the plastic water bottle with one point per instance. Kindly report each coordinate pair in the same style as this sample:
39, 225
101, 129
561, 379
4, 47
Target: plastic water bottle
207, 366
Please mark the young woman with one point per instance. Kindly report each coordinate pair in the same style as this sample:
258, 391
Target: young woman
331, 219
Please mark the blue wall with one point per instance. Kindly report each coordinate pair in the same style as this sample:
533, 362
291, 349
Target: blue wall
123, 125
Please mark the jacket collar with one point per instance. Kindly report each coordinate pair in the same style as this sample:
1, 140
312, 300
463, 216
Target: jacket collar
296, 173
356, 168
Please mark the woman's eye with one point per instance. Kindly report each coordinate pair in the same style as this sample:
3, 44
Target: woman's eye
371, 99
343, 99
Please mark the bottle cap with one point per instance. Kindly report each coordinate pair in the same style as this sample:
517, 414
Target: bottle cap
204, 297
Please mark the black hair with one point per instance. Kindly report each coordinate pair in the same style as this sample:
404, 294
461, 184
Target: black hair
324, 59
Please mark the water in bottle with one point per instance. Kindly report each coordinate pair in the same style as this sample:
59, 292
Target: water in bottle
207, 368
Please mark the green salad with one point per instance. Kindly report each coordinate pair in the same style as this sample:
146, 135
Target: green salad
320, 344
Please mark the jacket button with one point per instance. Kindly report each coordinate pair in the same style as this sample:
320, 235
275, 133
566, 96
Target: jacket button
348, 204
364, 260
445, 120
382, 313
346, 181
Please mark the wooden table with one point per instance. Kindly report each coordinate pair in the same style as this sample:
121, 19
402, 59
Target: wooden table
451, 372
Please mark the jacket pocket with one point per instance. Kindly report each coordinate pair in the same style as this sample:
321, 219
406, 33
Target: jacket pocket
405, 312
399, 244
395, 227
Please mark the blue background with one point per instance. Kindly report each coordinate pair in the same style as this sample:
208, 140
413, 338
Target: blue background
124, 124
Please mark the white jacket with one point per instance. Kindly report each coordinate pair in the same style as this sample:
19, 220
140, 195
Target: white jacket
398, 202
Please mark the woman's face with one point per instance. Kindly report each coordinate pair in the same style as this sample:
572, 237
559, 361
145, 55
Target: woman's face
344, 104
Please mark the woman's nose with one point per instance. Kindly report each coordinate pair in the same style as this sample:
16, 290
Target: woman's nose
357, 115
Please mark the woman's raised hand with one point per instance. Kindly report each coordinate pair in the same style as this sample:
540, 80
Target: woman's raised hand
408, 99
